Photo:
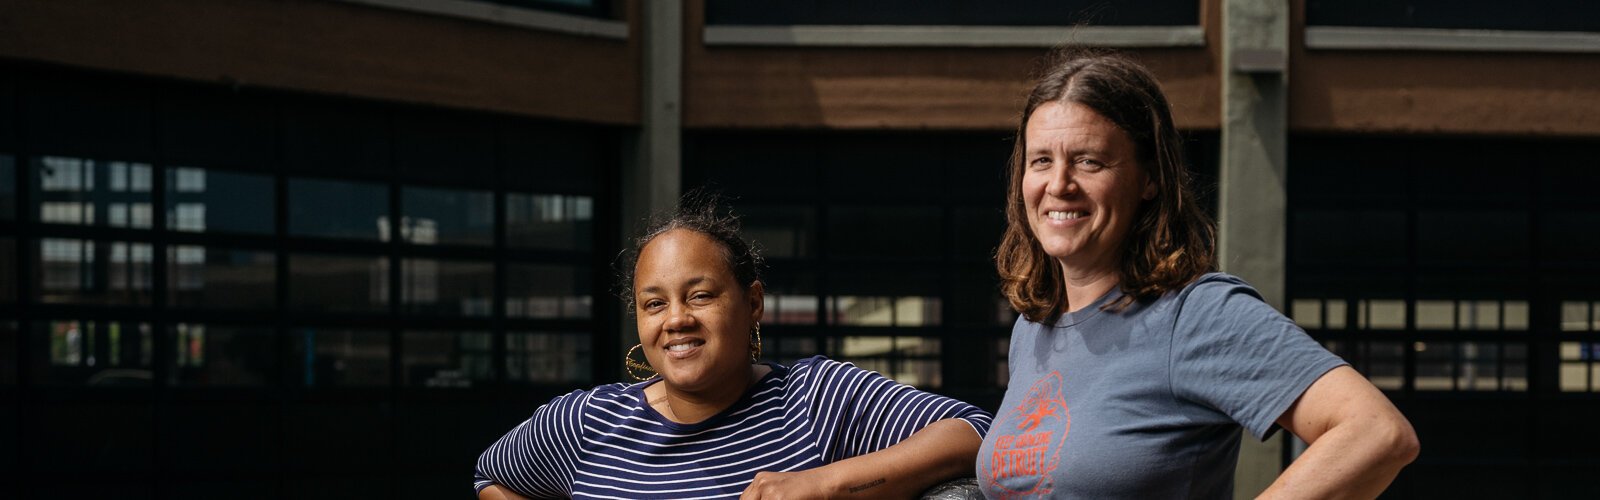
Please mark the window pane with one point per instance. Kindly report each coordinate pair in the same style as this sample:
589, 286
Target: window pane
1575, 316
213, 277
1480, 366
447, 359
855, 310
1307, 313
90, 272
92, 353
1472, 236
548, 291
781, 231
790, 299
338, 209
222, 356
549, 221
884, 231
202, 200
8, 269
1381, 314
88, 192
1436, 315
549, 358
8, 188
337, 283
1515, 376
8, 352
341, 358
450, 217
1435, 364
446, 287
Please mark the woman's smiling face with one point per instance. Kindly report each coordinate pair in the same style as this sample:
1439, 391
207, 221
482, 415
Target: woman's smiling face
1081, 185
694, 318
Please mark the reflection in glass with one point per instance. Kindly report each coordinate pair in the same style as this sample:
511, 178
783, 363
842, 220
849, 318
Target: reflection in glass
82, 271
338, 283
8, 188
1578, 316
220, 277
447, 216
908, 360
1479, 364
341, 358
1435, 362
447, 359
1381, 314
202, 200
86, 192
855, 310
95, 353
1381, 362
1307, 313
447, 287
549, 221
338, 209
549, 358
789, 309
221, 356
548, 291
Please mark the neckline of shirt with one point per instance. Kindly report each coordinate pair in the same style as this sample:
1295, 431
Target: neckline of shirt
1071, 319
637, 391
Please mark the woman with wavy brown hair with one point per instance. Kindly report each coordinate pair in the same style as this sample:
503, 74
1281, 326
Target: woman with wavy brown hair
1134, 368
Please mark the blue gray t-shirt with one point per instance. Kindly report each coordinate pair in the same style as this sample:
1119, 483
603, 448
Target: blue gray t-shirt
1147, 402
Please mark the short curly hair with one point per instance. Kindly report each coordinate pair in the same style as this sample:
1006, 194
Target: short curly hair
700, 210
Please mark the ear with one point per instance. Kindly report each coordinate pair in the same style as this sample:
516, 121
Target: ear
757, 297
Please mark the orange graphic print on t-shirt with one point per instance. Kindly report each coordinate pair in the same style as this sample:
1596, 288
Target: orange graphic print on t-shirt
1028, 447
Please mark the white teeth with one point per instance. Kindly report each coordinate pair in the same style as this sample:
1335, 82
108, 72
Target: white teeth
684, 346
1058, 215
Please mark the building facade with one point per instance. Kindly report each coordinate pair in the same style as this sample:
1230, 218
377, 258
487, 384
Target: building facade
334, 248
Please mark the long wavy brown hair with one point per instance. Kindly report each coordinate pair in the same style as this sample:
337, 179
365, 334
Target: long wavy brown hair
1172, 241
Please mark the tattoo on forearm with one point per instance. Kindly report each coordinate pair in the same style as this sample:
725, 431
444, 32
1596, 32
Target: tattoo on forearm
866, 486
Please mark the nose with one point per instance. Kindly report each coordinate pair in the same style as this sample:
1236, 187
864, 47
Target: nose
1062, 183
679, 319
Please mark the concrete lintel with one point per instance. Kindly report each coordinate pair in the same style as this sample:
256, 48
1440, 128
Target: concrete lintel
955, 36
1364, 38
513, 16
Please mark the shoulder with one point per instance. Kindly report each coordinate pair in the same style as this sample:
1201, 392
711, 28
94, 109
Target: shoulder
1215, 286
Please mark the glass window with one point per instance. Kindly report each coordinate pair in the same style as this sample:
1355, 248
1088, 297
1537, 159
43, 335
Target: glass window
909, 360
8, 352
976, 231
212, 277
90, 272
202, 200
1381, 314
790, 299
549, 221
338, 209
858, 231
8, 270
93, 353
447, 359
781, 231
549, 291
1578, 316
8, 188
855, 310
1472, 236
447, 216
1435, 364
549, 358
1362, 237
1578, 372
332, 357
88, 192
445, 287
338, 283
221, 356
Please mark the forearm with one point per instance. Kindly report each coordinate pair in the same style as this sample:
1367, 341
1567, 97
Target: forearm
497, 492
1353, 460
940, 451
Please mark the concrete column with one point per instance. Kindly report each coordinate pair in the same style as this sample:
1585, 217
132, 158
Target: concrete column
652, 166
1253, 210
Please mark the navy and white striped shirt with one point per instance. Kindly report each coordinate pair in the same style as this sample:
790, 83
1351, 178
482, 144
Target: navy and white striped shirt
608, 443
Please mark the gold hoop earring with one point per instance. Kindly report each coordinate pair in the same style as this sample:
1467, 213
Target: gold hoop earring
635, 367
755, 344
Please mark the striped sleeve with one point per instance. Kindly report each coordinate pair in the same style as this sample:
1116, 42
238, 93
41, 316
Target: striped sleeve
536, 459
857, 411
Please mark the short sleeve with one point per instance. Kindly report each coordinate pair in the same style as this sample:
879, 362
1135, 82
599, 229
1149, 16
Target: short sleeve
859, 411
1233, 352
536, 459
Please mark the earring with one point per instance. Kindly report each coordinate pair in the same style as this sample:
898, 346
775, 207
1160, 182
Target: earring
755, 344
635, 367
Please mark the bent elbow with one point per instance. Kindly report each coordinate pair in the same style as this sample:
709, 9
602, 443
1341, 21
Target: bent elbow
1404, 445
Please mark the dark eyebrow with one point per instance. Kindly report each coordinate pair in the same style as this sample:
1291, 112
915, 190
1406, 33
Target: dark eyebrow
691, 282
